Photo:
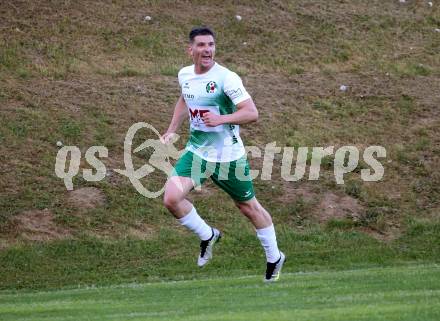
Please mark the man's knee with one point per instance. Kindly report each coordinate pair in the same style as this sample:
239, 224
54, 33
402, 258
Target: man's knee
172, 197
170, 201
250, 210
175, 191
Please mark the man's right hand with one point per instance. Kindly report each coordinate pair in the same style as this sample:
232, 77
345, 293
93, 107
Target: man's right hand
168, 138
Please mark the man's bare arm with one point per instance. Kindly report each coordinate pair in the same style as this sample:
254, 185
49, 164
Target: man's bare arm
246, 113
179, 115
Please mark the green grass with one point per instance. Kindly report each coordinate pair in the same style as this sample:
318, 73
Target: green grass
88, 260
85, 76
400, 293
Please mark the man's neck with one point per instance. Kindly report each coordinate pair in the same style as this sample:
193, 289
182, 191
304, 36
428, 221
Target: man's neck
201, 69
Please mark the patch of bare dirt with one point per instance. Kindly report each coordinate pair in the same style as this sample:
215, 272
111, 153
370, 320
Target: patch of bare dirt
324, 205
333, 206
141, 231
37, 225
300, 192
86, 198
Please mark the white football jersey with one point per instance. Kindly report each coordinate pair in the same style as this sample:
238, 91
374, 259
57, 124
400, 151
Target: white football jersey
217, 91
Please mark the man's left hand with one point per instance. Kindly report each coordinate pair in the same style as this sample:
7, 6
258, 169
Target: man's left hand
212, 120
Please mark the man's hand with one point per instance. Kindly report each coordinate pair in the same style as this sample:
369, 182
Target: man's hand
168, 138
212, 120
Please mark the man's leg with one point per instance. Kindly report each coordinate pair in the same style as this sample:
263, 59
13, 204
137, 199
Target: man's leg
262, 222
176, 189
238, 184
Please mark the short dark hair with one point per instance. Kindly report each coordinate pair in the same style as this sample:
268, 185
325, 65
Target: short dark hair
200, 31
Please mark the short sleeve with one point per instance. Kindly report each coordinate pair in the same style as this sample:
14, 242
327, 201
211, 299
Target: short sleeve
234, 89
179, 77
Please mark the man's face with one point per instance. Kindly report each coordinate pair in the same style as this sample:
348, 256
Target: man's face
202, 51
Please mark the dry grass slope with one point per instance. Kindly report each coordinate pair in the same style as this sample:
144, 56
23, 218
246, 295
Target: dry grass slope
82, 72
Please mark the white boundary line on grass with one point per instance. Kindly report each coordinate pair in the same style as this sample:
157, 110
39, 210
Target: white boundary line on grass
414, 265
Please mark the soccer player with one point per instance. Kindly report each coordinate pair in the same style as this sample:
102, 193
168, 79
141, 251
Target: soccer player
217, 103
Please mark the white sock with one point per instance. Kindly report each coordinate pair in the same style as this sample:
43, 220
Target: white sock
195, 223
268, 240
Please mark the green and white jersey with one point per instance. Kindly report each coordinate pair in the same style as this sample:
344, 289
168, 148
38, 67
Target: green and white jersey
217, 91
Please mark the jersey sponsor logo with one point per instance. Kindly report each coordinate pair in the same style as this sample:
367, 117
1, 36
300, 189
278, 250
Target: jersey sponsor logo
186, 85
196, 118
211, 87
234, 93
197, 114
188, 96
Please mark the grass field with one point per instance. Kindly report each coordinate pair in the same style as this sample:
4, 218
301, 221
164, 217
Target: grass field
404, 293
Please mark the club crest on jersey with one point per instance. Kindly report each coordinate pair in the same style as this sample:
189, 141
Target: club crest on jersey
211, 87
